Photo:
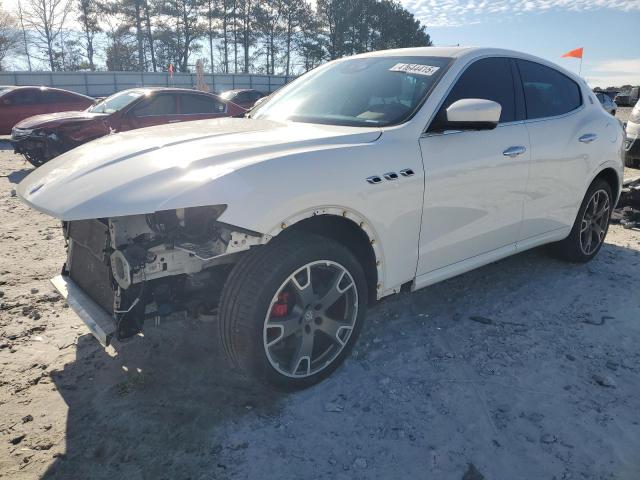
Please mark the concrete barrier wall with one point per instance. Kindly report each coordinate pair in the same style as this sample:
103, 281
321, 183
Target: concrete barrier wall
100, 84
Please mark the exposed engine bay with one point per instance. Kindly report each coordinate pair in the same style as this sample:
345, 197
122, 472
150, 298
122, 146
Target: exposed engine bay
165, 264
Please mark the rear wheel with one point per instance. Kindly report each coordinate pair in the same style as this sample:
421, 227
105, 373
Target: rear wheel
292, 310
591, 225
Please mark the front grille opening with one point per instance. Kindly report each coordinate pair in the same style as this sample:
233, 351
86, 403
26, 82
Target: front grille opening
89, 262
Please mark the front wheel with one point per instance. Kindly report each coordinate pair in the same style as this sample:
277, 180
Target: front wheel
34, 159
291, 310
591, 225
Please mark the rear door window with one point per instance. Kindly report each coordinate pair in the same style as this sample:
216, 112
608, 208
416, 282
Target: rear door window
547, 92
161, 104
487, 79
191, 104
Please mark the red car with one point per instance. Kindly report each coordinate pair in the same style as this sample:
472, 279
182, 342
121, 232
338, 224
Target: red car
44, 137
18, 103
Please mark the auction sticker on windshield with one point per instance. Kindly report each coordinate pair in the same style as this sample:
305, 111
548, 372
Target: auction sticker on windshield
414, 68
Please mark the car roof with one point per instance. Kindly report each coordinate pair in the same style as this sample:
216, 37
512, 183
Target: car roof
166, 90
43, 87
240, 90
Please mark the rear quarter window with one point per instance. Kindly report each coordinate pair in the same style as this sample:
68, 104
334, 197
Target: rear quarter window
160, 104
547, 92
195, 104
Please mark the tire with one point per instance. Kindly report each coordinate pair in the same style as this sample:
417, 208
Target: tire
574, 248
268, 319
35, 160
631, 162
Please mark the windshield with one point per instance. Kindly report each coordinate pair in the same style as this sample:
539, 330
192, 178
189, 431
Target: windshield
117, 101
369, 91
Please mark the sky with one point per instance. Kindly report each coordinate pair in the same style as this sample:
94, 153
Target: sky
608, 31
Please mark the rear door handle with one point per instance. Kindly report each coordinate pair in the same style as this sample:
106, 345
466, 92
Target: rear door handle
588, 137
513, 152
174, 121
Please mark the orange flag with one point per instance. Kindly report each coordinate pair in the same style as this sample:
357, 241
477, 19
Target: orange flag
577, 53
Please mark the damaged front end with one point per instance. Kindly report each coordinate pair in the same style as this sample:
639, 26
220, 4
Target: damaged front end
123, 270
38, 146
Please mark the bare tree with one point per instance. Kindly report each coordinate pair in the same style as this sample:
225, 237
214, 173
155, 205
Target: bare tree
46, 19
247, 20
24, 35
9, 35
182, 28
88, 19
269, 22
296, 14
129, 13
147, 19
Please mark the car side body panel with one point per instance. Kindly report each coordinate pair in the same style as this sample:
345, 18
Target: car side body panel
73, 128
561, 163
13, 113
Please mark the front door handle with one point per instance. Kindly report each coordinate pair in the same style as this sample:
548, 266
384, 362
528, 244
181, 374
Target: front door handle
175, 121
513, 152
588, 137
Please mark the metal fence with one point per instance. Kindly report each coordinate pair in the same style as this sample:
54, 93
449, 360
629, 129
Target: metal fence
100, 84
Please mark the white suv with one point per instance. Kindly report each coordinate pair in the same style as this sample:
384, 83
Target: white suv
388, 170
632, 142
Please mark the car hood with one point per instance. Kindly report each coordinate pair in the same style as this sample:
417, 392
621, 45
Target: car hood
152, 169
55, 119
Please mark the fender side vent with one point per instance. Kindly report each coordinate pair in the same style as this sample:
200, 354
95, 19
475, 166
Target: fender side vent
374, 179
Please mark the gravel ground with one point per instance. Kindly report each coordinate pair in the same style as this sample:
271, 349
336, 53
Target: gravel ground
528, 368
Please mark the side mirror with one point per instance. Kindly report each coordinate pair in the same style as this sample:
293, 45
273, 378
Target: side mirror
470, 114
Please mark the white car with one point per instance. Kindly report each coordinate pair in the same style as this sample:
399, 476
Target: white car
371, 174
632, 142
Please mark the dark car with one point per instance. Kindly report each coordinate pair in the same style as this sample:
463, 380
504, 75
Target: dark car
246, 97
606, 102
628, 98
18, 103
44, 137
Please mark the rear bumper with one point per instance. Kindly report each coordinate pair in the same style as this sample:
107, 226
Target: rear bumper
100, 323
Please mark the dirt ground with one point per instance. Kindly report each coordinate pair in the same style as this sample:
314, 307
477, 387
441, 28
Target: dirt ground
525, 369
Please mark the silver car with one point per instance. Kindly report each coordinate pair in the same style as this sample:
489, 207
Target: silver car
607, 103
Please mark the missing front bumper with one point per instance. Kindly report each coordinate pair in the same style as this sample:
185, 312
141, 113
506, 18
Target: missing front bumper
100, 323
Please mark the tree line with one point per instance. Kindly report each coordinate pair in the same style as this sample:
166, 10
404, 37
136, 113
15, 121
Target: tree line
230, 36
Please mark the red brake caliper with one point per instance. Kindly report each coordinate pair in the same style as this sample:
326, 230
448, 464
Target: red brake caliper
281, 307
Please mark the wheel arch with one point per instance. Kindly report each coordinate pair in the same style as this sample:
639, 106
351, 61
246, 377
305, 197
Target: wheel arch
610, 175
348, 228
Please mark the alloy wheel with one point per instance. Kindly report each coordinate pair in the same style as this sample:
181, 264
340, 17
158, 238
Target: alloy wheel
595, 221
310, 319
